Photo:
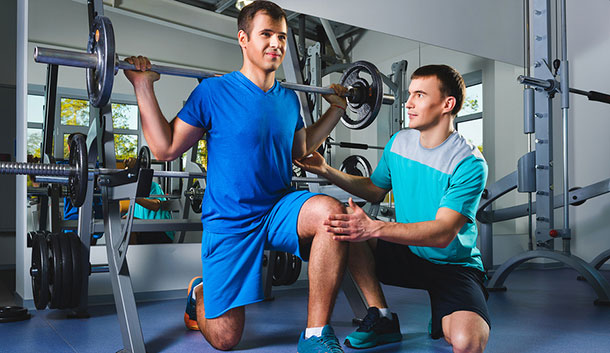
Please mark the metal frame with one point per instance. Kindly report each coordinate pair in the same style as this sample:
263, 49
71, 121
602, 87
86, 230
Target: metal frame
543, 171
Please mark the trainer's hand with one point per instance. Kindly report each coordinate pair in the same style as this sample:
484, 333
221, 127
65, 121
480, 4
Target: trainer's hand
142, 70
313, 163
337, 98
354, 227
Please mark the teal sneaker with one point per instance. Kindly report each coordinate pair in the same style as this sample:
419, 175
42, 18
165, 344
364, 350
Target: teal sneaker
327, 343
190, 314
374, 331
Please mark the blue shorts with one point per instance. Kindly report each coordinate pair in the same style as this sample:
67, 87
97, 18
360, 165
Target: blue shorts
232, 263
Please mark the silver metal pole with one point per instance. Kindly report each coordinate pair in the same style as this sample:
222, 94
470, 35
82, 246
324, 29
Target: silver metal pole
90, 61
565, 106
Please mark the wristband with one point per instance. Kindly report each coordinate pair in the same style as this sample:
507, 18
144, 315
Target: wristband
338, 106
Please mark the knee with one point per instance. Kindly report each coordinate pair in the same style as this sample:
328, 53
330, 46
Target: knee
468, 342
329, 205
224, 342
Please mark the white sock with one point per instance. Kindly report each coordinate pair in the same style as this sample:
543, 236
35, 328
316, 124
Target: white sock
313, 331
195, 289
385, 312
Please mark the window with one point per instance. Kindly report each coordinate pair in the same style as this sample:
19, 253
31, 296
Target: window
72, 115
469, 121
36, 104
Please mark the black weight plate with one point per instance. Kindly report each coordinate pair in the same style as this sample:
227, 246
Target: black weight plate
77, 274
77, 183
367, 109
295, 269
100, 79
279, 269
13, 313
144, 157
56, 275
66, 270
356, 165
285, 269
40, 262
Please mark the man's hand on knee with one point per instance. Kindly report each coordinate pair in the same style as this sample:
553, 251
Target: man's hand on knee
355, 226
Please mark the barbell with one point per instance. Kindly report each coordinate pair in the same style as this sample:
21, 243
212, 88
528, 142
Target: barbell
365, 95
76, 173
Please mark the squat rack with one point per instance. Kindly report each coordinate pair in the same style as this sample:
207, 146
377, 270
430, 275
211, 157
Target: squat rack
535, 169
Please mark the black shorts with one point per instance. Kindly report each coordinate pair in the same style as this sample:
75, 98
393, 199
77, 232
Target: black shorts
450, 287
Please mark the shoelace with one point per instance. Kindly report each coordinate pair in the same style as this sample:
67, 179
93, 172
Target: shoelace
367, 323
332, 343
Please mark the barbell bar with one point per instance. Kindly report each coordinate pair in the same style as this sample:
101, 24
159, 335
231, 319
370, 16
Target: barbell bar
365, 95
90, 61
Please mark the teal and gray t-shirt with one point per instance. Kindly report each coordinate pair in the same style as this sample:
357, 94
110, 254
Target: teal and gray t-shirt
451, 175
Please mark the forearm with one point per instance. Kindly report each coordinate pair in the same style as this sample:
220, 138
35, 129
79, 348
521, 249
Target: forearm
356, 185
156, 129
429, 233
151, 204
318, 132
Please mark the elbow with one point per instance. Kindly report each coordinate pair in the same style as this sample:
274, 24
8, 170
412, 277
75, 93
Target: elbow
165, 155
446, 239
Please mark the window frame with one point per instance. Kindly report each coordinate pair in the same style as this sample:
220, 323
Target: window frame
470, 79
73, 93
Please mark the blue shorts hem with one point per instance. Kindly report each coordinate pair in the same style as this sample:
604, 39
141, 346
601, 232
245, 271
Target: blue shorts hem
232, 307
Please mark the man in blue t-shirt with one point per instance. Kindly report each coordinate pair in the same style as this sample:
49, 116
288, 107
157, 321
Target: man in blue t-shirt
437, 178
254, 131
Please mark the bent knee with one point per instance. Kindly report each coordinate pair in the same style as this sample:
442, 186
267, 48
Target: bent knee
329, 205
468, 342
224, 342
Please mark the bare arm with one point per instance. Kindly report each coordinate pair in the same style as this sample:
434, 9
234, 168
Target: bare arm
151, 204
309, 139
357, 227
356, 185
166, 141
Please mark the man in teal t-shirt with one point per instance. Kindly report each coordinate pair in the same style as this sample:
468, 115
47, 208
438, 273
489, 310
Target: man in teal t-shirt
437, 178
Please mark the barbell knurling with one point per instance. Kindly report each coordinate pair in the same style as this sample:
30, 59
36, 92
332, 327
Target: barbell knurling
36, 169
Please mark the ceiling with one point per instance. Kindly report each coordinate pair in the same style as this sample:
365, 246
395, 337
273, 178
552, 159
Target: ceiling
313, 26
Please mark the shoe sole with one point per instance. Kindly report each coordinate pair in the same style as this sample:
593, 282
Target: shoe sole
382, 339
190, 324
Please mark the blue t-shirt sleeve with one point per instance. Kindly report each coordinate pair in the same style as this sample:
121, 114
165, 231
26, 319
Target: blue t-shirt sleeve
382, 177
465, 187
197, 107
300, 123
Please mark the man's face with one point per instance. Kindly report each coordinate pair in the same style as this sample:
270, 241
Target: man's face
426, 103
266, 44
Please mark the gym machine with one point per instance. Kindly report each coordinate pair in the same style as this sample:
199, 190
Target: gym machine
535, 169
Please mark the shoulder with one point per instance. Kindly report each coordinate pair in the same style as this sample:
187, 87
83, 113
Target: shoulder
402, 140
460, 151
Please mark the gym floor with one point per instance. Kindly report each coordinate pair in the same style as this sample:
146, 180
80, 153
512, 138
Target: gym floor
542, 311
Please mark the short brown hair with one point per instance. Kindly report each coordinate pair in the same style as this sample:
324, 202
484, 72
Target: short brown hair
244, 20
452, 83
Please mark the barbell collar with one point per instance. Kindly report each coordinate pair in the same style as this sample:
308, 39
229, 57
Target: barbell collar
388, 99
65, 58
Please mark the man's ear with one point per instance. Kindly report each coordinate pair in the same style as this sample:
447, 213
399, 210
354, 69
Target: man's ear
242, 38
449, 104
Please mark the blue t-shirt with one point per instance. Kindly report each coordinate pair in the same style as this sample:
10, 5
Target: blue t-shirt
250, 136
142, 212
451, 175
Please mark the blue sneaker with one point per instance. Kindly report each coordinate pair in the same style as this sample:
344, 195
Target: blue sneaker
190, 314
374, 330
327, 343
